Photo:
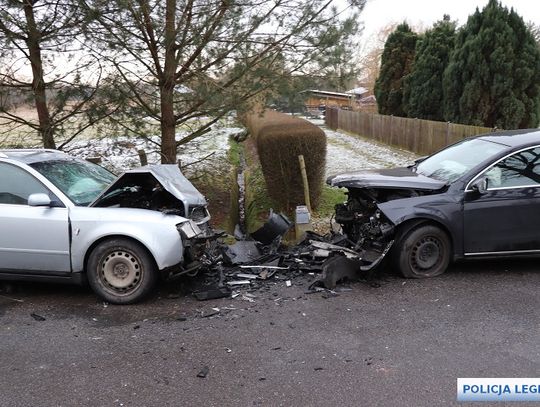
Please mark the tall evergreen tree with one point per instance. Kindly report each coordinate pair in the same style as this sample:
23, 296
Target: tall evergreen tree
423, 90
493, 77
396, 63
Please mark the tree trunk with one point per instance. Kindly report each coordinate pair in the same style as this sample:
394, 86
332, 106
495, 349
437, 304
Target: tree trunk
33, 39
166, 88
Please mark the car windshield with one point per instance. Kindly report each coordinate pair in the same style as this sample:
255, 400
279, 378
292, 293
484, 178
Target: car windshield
452, 162
81, 181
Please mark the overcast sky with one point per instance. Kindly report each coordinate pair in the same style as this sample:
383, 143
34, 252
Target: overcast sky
379, 13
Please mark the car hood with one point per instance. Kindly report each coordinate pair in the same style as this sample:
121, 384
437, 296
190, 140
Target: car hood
393, 178
169, 176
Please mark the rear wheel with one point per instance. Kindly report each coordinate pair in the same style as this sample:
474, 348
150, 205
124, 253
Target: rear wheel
423, 252
121, 271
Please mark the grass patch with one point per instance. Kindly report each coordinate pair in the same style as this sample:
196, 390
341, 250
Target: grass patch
236, 150
330, 196
257, 201
234, 157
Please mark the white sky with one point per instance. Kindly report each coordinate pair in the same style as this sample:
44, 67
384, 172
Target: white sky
379, 13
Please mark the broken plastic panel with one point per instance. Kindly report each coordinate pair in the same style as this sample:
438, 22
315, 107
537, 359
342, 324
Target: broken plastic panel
276, 225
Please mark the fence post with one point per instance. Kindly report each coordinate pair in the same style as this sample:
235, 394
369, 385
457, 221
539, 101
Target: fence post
447, 138
305, 181
142, 157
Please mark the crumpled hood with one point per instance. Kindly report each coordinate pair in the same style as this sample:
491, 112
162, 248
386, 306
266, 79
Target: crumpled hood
393, 178
170, 177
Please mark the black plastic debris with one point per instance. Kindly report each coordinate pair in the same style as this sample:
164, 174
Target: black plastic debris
244, 251
276, 225
38, 317
212, 293
204, 372
336, 269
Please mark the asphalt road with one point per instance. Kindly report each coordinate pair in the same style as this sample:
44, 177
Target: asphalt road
403, 343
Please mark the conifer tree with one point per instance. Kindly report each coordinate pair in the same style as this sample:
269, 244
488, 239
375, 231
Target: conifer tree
396, 63
423, 90
493, 76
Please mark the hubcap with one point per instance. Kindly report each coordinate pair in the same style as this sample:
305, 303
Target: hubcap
426, 253
120, 271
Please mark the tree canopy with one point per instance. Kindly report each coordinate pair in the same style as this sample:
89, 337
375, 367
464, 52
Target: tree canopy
396, 62
493, 76
423, 94
45, 63
180, 60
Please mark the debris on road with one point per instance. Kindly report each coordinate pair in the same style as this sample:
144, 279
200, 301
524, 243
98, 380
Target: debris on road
38, 317
260, 258
212, 293
209, 312
204, 372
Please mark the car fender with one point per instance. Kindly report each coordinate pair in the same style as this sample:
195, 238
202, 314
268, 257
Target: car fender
154, 230
445, 211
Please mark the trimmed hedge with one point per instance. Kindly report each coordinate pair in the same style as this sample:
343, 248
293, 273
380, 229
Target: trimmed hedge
280, 139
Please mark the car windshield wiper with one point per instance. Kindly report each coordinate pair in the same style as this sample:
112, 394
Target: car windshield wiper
121, 191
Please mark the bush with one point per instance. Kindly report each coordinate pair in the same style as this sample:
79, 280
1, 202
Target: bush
280, 139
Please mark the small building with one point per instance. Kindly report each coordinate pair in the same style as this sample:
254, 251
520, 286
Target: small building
321, 99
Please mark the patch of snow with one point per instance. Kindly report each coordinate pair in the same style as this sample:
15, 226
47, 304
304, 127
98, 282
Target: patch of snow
121, 153
346, 152
351, 153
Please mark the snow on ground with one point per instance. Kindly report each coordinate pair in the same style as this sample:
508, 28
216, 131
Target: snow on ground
345, 152
120, 153
349, 153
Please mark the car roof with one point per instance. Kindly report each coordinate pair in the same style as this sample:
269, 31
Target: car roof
34, 155
514, 138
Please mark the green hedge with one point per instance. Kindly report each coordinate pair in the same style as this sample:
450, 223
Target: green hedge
280, 139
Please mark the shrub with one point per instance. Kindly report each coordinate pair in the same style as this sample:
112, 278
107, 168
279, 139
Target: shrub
280, 139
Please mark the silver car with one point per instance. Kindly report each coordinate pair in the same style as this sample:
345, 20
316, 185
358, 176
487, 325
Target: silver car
66, 219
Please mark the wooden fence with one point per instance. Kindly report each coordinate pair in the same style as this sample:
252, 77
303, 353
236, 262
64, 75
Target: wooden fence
420, 136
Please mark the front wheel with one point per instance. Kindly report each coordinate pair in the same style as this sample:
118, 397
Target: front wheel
121, 271
423, 252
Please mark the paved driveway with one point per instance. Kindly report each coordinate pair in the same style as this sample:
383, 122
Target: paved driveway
402, 343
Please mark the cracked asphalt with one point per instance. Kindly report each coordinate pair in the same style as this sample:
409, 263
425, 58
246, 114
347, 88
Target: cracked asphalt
396, 343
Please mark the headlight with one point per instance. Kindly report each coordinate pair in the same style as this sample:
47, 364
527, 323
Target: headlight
198, 213
189, 229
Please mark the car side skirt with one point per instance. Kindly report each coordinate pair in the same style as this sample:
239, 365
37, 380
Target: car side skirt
504, 253
69, 278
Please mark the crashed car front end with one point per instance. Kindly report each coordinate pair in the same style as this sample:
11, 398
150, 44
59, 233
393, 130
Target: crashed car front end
160, 188
374, 197
163, 188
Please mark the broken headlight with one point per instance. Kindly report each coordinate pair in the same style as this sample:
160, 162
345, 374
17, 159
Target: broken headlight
198, 213
189, 229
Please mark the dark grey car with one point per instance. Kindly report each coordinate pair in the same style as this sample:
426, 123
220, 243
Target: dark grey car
477, 198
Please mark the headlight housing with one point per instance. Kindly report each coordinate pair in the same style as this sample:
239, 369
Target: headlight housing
189, 229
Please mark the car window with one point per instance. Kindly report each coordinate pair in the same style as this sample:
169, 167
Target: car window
518, 170
454, 161
16, 185
81, 181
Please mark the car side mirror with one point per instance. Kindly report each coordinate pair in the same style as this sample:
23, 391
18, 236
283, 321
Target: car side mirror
39, 200
480, 185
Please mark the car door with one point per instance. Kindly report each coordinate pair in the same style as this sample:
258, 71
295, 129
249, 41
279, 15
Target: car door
505, 219
33, 239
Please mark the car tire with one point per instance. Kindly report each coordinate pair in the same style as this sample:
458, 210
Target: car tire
423, 252
121, 271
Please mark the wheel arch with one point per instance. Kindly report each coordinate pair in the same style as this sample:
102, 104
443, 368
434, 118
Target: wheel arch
407, 226
111, 237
